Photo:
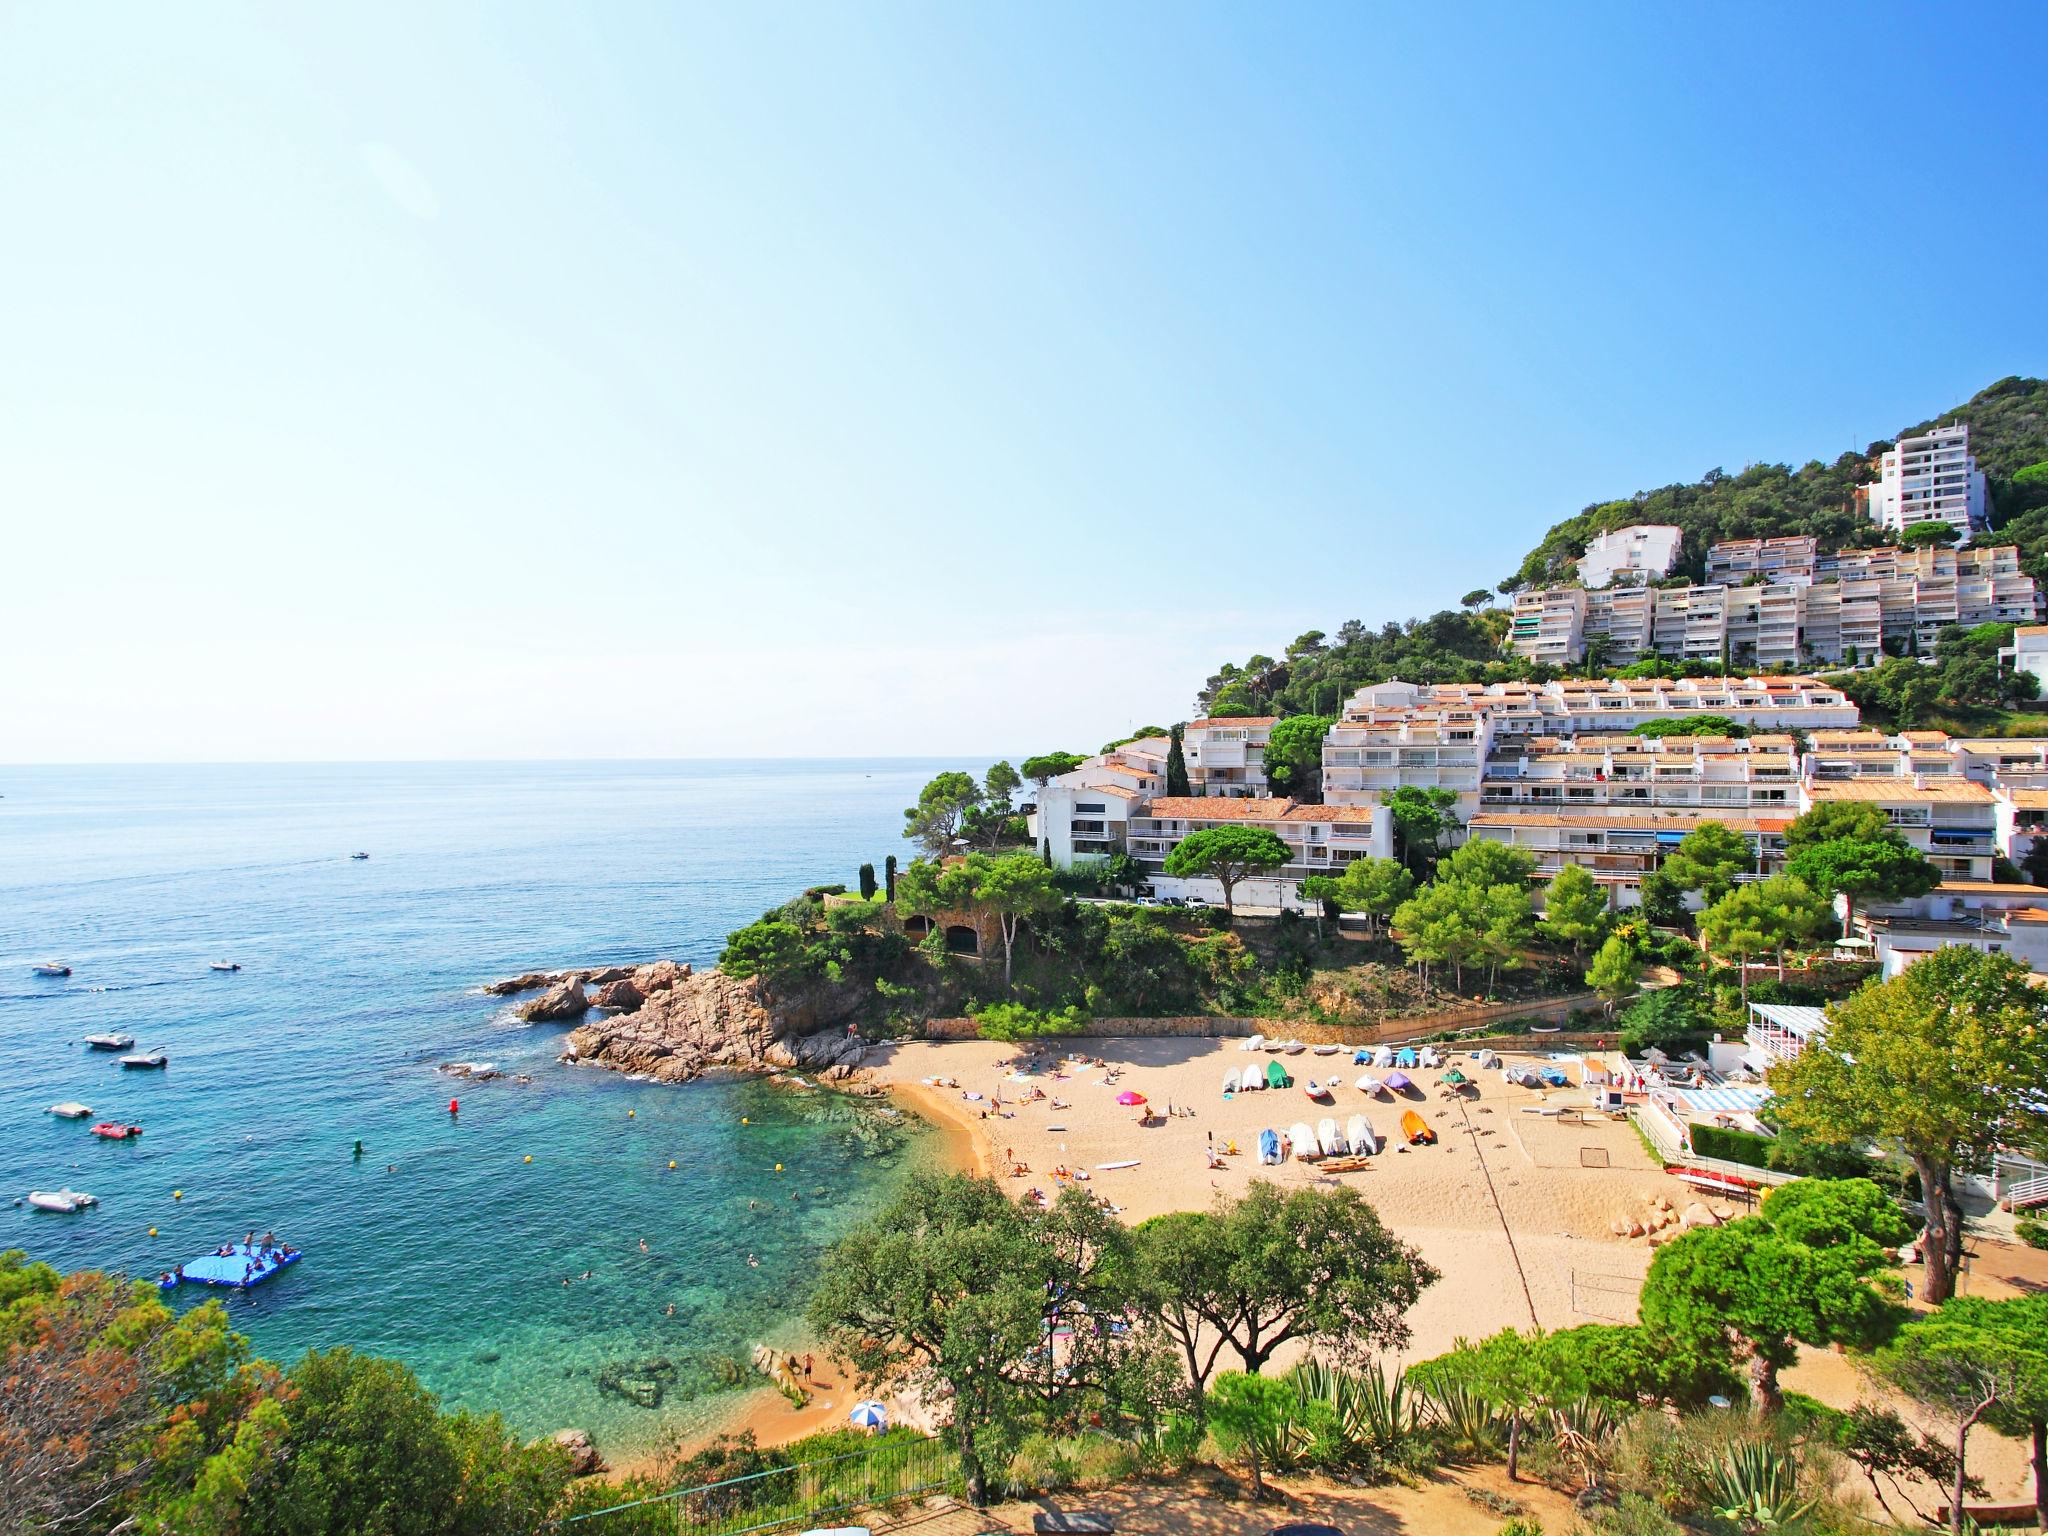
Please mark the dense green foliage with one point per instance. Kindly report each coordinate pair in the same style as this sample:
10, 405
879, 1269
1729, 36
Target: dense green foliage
1294, 756
120, 1415
1696, 725
1227, 855
2008, 431
1965, 686
1319, 672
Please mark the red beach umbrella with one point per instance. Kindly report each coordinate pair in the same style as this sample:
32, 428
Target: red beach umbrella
1130, 1096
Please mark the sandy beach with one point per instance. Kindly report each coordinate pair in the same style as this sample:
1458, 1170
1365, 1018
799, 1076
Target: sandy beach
1512, 1206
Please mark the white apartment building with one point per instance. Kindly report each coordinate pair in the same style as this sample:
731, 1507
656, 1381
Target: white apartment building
1085, 813
1932, 478
1321, 838
1635, 555
1227, 755
2028, 652
1618, 847
1813, 609
1735, 561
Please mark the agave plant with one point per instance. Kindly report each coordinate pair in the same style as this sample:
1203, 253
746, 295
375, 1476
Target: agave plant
1372, 1412
1472, 1424
1756, 1485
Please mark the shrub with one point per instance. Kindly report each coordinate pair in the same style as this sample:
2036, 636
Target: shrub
1633, 1515
1733, 1146
2032, 1230
1014, 1021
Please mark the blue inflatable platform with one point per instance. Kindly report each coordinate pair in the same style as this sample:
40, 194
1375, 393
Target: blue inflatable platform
239, 1269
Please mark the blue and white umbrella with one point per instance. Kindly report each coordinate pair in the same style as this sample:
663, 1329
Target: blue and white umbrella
870, 1415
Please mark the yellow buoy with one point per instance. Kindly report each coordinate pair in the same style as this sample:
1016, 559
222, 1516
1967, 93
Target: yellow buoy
152, 1231
743, 1119
671, 1162
177, 1194
529, 1157
631, 1113
778, 1167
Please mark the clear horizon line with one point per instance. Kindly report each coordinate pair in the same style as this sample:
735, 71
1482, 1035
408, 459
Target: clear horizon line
500, 762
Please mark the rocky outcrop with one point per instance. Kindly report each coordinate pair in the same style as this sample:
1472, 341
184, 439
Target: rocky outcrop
619, 995
659, 976
698, 1022
568, 1000
526, 983
583, 1458
608, 975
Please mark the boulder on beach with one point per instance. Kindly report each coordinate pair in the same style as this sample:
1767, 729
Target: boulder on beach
567, 1001
583, 1458
1697, 1215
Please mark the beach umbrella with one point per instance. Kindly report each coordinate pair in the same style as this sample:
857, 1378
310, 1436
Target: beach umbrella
869, 1415
1130, 1096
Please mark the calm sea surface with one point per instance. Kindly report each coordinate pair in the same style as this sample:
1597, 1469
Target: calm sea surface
441, 1245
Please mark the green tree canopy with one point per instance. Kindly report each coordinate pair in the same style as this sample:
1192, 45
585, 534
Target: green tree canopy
1420, 817
1574, 907
2017, 1329
1691, 725
1043, 768
1483, 862
1441, 925
1228, 855
1708, 858
1275, 1266
1941, 1064
1616, 972
1667, 1020
1766, 918
1294, 756
1768, 1293
942, 806
954, 1289
1865, 869
1377, 887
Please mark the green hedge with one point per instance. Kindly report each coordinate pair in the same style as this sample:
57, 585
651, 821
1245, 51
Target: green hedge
1745, 1147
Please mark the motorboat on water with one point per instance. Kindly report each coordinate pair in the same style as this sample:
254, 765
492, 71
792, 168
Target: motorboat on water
71, 1109
110, 1042
225, 965
51, 968
116, 1130
65, 1200
147, 1060
359, 855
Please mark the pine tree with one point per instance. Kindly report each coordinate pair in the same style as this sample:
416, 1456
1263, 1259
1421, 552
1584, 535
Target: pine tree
1176, 766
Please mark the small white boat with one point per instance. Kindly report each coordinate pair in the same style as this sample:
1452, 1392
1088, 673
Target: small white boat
1329, 1140
1362, 1139
224, 965
1429, 1057
1272, 1043
146, 1060
1316, 1090
1383, 1056
1294, 1047
61, 1199
1304, 1141
359, 855
109, 1042
1251, 1080
1326, 1050
1252, 1043
71, 1109
1367, 1083
51, 968
1230, 1081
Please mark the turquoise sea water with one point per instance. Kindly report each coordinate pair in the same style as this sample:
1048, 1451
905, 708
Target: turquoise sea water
441, 1245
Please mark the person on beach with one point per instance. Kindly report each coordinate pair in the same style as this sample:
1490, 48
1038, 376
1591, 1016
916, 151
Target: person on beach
807, 1367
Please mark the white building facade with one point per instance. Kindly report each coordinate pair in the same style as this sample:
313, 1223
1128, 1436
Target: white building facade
1645, 552
1932, 478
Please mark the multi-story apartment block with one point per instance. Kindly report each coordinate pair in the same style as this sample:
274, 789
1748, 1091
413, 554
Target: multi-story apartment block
1639, 554
1596, 774
1951, 820
1227, 755
1321, 839
1813, 609
1737, 560
1549, 625
1618, 847
1085, 813
1932, 478
2028, 652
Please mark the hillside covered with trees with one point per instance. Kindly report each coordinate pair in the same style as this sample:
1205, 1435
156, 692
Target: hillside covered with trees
2008, 433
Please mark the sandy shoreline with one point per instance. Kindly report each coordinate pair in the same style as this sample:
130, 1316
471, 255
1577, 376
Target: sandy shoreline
1513, 1205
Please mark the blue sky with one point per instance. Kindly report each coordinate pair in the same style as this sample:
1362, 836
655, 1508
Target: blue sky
403, 381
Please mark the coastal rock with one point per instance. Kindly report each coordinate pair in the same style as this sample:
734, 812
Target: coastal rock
619, 993
526, 983
608, 975
658, 977
583, 1458
1697, 1215
714, 1020
567, 1001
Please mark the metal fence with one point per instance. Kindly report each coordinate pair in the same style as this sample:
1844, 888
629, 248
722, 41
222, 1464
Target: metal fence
783, 1498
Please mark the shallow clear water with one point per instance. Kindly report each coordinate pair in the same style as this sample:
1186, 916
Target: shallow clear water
441, 1245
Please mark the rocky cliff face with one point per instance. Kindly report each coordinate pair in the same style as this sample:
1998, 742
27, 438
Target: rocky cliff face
683, 1023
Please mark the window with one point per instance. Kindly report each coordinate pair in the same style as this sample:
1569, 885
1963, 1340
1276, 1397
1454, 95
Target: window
1084, 808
